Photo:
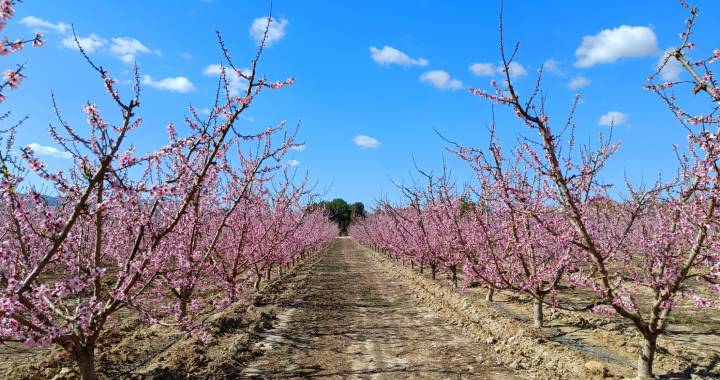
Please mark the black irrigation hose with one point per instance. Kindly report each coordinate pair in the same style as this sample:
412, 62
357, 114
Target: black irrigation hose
556, 335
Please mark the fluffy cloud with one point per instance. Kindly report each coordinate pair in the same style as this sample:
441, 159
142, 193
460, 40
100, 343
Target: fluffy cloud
293, 162
41, 25
515, 70
275, 31
174, 84
299, 148
441, 79
483, 69
672, 70
366, 142
127, 49
612, 44
613, 118
236, 83
486, 69
388, 55
578, 81
48, 151
552, 66
90, 44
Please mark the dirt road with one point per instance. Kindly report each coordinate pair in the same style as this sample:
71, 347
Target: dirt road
353, 320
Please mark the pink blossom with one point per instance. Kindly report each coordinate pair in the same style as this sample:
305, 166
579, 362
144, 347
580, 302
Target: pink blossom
38, 41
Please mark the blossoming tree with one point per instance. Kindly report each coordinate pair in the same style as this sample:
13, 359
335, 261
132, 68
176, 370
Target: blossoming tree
640, 255
126, 226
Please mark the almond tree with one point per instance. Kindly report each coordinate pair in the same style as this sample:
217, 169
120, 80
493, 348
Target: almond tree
446, 210
67, 268
515, 242
640, 280
189, 251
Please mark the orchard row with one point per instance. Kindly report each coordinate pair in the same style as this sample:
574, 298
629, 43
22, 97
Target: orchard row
170, 234
537, 219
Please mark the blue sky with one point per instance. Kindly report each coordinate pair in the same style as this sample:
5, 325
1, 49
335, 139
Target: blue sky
374, 78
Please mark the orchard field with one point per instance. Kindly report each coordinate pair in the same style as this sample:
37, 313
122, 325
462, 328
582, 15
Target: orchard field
208, 253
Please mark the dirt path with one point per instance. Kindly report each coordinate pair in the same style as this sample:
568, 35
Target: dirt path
354, 321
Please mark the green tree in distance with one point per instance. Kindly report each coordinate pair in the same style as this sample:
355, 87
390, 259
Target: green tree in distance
342, 213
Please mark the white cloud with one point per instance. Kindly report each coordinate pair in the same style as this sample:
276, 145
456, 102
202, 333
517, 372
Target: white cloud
40, 25
366, 142
214, 69
388, 55
672, 70
579, 81
552, 66
441, 79
275, 31
127, 49
299, 148
612, 44
236, 83
173, 84
486, 69
293, 163
48, 151
90, 44
515, 70
613, 118
483, 69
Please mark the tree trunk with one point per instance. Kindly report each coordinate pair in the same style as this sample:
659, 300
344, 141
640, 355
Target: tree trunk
183, 311
268, 272
538, 318
454, 275
490, 293
258, 279
433, 270
85, 358
422, 267
647, 355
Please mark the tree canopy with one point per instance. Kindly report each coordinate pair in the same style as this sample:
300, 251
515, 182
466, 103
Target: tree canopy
341, 212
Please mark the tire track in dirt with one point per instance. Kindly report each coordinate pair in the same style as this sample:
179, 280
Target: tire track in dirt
355, 321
